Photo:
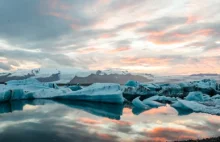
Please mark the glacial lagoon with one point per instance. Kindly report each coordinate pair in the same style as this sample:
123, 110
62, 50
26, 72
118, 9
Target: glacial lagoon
55, 120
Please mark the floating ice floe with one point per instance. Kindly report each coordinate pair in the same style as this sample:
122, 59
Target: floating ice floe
75, 87
197, 107
139, 104
152, 103
194, 96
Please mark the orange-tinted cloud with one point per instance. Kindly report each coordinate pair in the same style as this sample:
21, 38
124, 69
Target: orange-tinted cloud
89, 121
120, 49
127, 112
192, 19
87, 50
118, 122
163, 38
171, 134
106, 36
160, 110
105, 136
150, 61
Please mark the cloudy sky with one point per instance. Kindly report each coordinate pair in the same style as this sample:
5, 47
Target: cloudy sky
151, 36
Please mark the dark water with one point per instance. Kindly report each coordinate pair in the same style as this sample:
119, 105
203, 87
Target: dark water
66, 121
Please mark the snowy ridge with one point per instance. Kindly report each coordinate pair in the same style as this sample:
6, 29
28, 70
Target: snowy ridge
65, 74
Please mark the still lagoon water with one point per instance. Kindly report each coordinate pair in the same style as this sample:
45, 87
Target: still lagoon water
68, 121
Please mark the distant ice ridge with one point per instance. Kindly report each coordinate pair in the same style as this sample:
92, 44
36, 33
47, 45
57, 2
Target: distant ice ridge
72, 75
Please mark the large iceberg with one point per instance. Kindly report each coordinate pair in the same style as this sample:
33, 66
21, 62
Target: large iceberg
98, 92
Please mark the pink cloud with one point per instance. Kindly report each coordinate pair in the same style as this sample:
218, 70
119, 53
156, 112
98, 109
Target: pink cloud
150, 61
120, 49
89, 121
118, 122
105, 136
171, 134
106, 36
87, 50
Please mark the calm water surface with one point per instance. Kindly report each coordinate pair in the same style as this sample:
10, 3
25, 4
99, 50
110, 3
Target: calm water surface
66, 121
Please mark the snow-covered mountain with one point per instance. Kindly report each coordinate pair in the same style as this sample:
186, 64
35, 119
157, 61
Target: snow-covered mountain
74, 76
82, 76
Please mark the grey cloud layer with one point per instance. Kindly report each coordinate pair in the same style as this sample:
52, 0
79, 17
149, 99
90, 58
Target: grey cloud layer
57, 27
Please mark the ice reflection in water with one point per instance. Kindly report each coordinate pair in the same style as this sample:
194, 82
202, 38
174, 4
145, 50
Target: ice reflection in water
47, 120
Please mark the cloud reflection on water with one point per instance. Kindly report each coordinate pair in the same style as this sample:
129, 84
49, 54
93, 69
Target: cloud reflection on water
46, 120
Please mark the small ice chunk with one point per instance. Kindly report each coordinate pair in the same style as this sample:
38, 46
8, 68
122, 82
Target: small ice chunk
139, 104
75, 87
195, 96
152, 103
132, 83
162, 99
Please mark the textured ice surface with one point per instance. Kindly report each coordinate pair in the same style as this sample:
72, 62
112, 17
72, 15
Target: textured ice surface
99, 92
132, 83
152, 103
197, 107
195, 96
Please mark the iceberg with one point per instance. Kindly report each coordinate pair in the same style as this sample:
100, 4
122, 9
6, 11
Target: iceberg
195, 96
75, 87
162, 99
139, 104
216, 97
197, 107
30, 89
152, 103
153, 86
5, 96
98, 92
132, 83
171, 90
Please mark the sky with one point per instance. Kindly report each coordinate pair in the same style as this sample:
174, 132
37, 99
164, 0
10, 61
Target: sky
147, 36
